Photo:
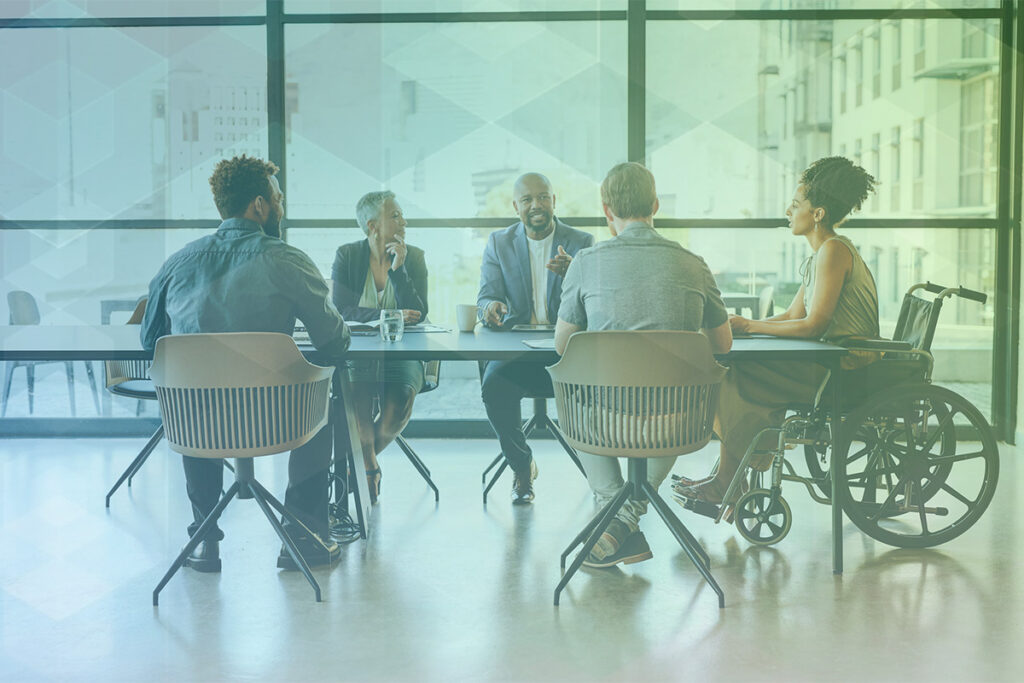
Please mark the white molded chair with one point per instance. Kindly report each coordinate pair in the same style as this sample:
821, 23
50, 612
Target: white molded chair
239, 395
637, 394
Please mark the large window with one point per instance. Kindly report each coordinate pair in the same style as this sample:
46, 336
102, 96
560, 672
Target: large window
111, 127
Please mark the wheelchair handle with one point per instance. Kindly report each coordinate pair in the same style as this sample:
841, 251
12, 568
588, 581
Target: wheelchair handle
980, 297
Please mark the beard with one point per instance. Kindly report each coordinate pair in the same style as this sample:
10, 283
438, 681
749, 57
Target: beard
538, 222
272, 227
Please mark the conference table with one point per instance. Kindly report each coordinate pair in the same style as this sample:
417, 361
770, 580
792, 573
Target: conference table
106, 342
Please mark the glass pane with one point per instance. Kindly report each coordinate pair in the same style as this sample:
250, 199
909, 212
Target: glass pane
77, 9
126, 123
448, 115
731, 139
374, 6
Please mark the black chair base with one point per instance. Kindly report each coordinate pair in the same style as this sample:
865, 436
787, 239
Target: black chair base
136, 464
540, 420
246, 486
418, 464
637, 487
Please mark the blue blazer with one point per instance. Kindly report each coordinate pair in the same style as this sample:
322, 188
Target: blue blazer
505, 272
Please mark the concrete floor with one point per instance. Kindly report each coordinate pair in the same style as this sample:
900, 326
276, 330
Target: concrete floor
459, 591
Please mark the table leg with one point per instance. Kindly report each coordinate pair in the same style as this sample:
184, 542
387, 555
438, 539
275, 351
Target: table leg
837, 469
345, 423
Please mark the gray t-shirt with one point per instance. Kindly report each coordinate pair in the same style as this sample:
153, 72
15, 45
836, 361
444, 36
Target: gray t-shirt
640, 281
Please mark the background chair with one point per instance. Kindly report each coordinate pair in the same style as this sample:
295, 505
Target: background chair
432, 377
130, 378
765, 303
25, 311
639, 395
539, 420
239, 395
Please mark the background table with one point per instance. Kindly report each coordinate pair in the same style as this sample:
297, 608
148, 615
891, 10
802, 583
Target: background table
36, 342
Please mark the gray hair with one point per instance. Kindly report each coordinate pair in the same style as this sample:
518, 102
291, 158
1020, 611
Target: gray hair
368, 208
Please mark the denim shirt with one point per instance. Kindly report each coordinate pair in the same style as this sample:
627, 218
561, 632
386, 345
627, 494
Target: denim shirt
241, 280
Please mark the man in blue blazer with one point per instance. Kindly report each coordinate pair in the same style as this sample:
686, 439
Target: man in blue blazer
521, 283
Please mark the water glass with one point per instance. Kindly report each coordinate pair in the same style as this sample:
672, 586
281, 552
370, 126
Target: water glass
392, 325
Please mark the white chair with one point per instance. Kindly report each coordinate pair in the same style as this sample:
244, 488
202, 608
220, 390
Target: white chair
239, 395
637, 394
765, 303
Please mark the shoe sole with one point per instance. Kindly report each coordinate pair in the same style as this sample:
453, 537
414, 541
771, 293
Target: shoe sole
286, 562
204, 566
632, 559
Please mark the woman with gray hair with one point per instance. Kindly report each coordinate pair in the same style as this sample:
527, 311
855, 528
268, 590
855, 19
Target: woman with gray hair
381, 272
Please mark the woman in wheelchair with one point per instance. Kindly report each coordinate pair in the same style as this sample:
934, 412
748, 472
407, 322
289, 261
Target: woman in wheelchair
836, 301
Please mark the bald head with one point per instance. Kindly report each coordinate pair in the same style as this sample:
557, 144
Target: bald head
534, 202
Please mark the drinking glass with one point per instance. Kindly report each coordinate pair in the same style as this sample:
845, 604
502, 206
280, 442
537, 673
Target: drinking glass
392, 325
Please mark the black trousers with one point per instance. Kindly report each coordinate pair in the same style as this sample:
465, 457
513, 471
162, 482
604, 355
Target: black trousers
306, 496
503, 385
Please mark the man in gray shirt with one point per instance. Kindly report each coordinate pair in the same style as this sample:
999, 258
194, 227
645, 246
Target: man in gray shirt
638, 280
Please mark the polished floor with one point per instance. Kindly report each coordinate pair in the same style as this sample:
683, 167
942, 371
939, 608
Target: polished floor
463, 591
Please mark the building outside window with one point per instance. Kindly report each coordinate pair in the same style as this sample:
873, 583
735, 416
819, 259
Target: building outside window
897, 54
894, 171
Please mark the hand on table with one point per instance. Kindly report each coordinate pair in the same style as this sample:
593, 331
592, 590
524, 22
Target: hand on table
739, 324
411, 315
495, 313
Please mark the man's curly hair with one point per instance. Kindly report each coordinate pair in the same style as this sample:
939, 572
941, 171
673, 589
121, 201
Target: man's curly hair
236, 182
837, 185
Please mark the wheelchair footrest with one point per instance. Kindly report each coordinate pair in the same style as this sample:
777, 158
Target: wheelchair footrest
699, 506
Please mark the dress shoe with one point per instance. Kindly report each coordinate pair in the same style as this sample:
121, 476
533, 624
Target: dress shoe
522, 486
312, 551
633, 549
205, 557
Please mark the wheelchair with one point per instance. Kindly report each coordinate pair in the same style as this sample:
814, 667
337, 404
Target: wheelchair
921, 461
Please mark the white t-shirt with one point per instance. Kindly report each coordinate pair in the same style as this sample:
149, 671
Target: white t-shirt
540, 254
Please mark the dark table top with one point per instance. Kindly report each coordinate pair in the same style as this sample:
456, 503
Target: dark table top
121, 342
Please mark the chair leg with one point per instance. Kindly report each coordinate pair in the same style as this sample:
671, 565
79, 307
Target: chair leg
196, 539
92, 385
557, 433
70, 369
8, 376
584, 534
494, 463
265, 500
418, 464
605, 518
30, 380
494, 479
685, 538
130, 471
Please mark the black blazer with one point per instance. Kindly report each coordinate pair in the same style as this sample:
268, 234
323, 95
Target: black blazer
352, 263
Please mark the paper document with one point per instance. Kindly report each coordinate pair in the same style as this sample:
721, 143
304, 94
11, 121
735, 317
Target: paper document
540, 343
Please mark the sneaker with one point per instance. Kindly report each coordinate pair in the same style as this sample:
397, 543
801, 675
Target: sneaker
522, 487
633, 549
312, 552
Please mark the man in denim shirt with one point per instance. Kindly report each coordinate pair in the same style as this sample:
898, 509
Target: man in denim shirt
243, 278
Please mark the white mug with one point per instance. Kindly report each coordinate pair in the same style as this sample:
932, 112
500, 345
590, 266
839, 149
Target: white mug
465, 316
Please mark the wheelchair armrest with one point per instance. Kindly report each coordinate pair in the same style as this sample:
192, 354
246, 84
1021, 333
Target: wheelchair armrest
877, 345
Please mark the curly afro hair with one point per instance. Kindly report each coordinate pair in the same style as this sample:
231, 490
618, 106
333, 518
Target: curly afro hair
837, 185
236, 182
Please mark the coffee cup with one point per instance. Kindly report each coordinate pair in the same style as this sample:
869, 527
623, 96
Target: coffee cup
465, 316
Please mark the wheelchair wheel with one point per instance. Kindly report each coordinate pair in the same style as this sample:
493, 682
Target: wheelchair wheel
921, 466
761, 520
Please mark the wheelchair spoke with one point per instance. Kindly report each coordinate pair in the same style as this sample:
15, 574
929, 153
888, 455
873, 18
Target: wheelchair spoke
776, 528
956, 494
923, 515
956, 457
860, 454
890, 499
939, 429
